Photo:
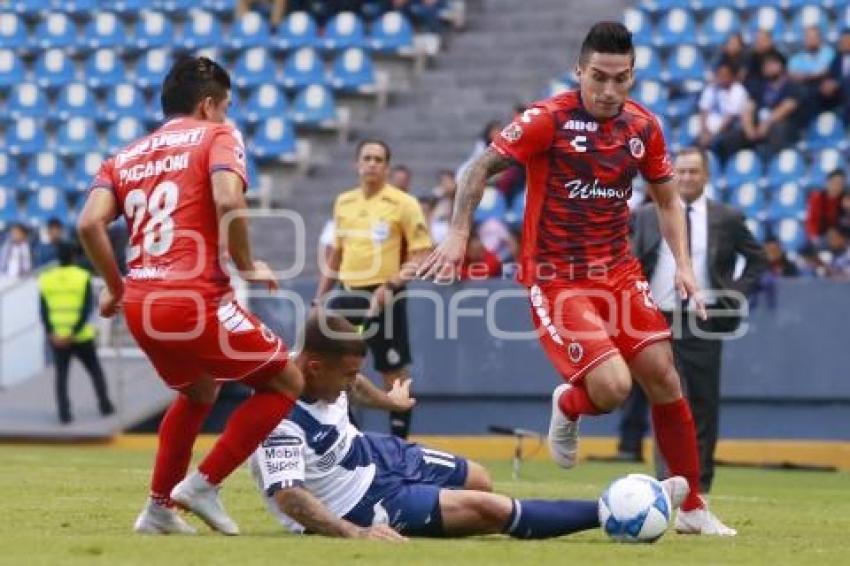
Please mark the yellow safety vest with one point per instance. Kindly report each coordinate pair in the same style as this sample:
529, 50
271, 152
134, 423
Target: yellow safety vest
64, 291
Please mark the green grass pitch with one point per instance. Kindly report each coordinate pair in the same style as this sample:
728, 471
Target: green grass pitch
76, 505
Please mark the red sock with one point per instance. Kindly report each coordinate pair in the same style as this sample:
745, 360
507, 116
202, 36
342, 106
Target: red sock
677, 442
177, 433
247, 427
575, 402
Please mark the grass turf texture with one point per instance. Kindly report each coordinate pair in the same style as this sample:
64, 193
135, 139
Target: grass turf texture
76, 505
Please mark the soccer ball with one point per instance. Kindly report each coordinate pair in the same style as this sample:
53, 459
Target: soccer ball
634, 509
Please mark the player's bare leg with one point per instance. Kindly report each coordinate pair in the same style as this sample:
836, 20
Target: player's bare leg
477, 477
399, 420
675, 434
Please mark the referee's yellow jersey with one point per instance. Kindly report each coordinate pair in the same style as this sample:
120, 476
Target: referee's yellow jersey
374, 233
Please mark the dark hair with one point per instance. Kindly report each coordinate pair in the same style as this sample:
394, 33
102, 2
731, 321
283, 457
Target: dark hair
607, 37
836, 173
65, 252
693, 150
190, 81
775, 55
381, 143
20, 226
54, 222
404, 168
730, 66
344, 339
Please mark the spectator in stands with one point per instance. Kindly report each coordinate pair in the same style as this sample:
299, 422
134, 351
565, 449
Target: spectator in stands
734, 53
15, 255
496, 238
839, 267
809, 67
810, 263
843, 222
479, 263
45, 252
277, 9
778, 264
825, 207
441, 215
835, 88
721, 104
762, 47
401, 177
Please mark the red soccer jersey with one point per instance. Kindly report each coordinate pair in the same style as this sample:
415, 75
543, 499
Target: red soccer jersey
162, 184
580, 173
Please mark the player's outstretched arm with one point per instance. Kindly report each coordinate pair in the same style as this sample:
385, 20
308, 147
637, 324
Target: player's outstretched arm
100, 209
303, 507
364, 392
444, 260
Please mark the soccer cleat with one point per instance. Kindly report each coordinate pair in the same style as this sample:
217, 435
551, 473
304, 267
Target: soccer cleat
158, 519
677, 490
702, 521
563, 433
200, 497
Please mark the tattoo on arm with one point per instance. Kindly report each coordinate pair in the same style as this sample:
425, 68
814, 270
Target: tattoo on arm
472, 186
302, 506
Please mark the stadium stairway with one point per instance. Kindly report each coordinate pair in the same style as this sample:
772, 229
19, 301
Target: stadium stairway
507, 55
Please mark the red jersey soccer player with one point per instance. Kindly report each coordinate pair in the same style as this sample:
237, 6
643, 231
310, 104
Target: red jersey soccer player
174, 187
590, 302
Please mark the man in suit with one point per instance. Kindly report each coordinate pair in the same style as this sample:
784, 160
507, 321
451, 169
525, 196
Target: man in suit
717, 235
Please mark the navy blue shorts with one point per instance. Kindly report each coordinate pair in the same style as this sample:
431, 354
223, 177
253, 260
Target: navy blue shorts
406, 490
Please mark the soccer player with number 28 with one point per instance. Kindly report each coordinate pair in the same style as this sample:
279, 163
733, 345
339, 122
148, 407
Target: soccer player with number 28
590, 301
178, 188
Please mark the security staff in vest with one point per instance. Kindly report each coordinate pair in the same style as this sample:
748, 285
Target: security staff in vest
66, 303
380, 238
717, 236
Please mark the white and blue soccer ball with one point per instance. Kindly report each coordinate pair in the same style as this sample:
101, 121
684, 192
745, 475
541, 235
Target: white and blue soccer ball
635, 509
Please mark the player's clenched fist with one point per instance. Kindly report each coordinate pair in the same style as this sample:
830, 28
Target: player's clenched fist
109, 303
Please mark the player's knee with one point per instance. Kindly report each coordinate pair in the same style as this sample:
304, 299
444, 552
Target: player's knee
478, 478
494, 510
611, 393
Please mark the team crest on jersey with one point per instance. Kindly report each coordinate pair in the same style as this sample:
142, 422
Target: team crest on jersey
512, 133
636, 148
575, 352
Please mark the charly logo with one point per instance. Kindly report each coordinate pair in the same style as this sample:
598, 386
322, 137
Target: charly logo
575, 352
636, 148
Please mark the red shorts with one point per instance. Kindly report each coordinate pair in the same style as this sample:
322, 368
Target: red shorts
186, 338
583, 323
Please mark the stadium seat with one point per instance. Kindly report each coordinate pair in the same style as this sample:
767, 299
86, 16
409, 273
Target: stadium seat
516, 212
826, 131
254, 67
686, 68
392, 33
154, 114
303, 68
790, 233
807, 16
25, 137
79, 9
85, 168
687, 133
655, 6
640, 24
128, 8
249, 31
27, 100
343, 31
12, 71
10, 174
743, 167
46, 203
647, 63
274, 140
748, 198
353, 70
152, 67
682, 106
266, 101
76, 137
756, 227
718, 26
104, 69
219, 7
45, 170
201, 29
297, 30
651, 94
178, 8
152, 30
823, 163
492, 205
124, 100
122, 133
766, 18
8, 206
76, 99
13, 32
104, 31
53, 69
675, 28
787, 165
787, 201
314, 106
55, 31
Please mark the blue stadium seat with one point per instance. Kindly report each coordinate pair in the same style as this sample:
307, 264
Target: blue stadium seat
842, 18
10, 173
85, 168
12, 69
46, 203
29, 8
56, 30
744, 167
718, 26
655, 6
255, 66
53, 69
748, 198
8, 206
45, 170
128, 8
682, 106
219, 7
152, 30
756, 227
766, 18
76, 137
343, 31
302, 68
13, 32
123, 132
823, 163
75, 99
297, 30
125, 100
651, 94
640, 24
686, 65
687, 133
266, 101
353, 70
492, 205
392, 33
104, 69
790, 233
201, 29
647, 63
787, 165
788, 200
78, 9
175, 8
807, 16
154, 114
249, 31
274, 140
25, 137
314, 106
827, 130
27, 100
152, 67
675, 28
516, 212
104, 31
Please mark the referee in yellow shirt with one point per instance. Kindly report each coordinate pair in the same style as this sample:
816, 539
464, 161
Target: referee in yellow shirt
380, 238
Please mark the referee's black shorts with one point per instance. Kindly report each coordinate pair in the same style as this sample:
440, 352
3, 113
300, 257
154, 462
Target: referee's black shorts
386, 334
